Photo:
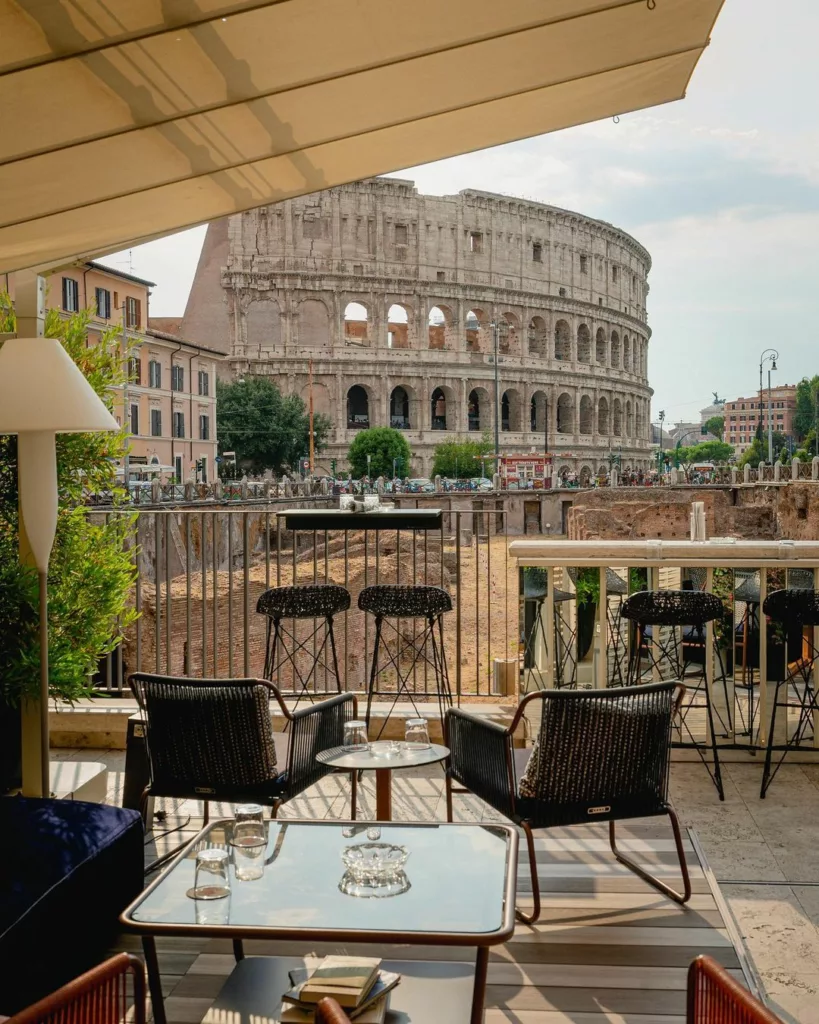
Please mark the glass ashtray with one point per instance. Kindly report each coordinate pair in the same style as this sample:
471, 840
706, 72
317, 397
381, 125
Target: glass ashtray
374, 863
370, 890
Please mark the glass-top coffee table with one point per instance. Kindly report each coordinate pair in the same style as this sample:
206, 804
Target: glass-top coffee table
402, 756
459, 890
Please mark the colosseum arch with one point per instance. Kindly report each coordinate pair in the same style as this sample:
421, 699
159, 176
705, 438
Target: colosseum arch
538, 410
477, 325
440, 322
322, 400
403, 408
443, 411
511, 411
615, 350
585, 476
565, 414
563, 341
399, 321
583, 344
629, 419
356, 324
538, 337
479, 410
313, 325
358, 407
626, 353
600, 347
603, 416
263, 324
617, 418
509, 334
586, 419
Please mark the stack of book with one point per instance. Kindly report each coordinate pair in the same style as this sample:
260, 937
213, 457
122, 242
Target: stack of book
356, 983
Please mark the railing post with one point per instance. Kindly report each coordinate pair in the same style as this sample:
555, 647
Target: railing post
795, 464
734, 476
777, 471
814, 468
746, 473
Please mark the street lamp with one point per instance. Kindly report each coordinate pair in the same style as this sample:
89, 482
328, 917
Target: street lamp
770, 355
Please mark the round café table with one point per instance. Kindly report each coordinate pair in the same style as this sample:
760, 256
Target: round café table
369, 760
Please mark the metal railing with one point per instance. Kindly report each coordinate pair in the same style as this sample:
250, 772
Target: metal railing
751, 652
200, 572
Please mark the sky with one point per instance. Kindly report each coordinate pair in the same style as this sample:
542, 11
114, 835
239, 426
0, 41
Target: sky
722, 188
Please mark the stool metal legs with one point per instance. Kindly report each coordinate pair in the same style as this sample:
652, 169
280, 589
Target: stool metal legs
279, 638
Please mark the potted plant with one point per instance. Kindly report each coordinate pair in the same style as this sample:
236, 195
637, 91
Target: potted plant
91, 571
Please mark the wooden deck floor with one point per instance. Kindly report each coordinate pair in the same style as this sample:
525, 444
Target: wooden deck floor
606, 949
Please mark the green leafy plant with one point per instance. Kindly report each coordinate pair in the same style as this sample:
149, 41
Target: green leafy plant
460, 460
382, 444
587, 586
91, 572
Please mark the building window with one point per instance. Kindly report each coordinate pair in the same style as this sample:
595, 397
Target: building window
71, 295
133, 312
561, 292
135, 370
204, 428
179, 424
154, 374
440, 276
475, 242
599, 302
584, 264
614, 275
537, 252
177, 378
358, 269
156, 423
103, 300
204, 383
134, 418
400, 234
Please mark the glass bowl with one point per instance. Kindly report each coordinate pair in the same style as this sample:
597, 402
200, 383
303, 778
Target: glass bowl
374, 863
393, 886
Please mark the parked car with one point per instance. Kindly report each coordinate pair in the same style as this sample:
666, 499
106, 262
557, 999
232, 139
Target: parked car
420, 485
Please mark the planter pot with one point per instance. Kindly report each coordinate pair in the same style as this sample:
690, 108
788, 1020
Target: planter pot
586, 621
11, 764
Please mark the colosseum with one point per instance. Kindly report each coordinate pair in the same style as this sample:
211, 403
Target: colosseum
398, 301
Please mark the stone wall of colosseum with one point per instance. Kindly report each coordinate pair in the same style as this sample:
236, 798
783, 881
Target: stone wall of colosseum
399, 299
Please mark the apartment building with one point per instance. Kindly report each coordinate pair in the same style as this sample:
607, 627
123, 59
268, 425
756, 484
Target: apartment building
743, 415
169, 403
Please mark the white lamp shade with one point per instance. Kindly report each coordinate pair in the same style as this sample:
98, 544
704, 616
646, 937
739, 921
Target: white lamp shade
42, 389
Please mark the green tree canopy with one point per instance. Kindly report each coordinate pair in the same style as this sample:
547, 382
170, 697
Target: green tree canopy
460, 460
757, 451
266, 429
382, 444
807, 397
706, 451
715, 425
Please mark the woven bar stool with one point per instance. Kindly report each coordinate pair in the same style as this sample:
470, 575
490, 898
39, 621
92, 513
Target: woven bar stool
535, 590
789, 608
389, 604
318, 601
689, 611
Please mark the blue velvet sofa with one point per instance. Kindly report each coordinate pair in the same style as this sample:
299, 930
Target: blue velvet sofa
67, 870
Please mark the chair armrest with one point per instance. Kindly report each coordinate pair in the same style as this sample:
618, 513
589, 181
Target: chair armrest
313, 729
481, 759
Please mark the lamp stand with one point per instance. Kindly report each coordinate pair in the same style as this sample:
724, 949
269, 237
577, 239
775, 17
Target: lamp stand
45, 762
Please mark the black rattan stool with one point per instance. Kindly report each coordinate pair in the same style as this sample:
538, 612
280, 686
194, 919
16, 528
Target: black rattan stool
535, 588
317, 601
389, 604
689, 611
793, 608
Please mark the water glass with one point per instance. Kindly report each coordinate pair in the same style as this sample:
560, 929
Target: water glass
355, 736
211, 880
248, 826
248, 861
416, 734
213, 912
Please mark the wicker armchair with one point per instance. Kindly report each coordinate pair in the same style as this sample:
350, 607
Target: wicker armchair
212, 739
99, 996
600, 755
329, 1012
715, 998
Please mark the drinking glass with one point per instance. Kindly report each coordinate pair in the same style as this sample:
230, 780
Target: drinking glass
248, 826
248, 861
213, 911
355, 736
416, 734
211, 875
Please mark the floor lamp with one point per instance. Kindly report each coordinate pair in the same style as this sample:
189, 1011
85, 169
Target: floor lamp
43, 393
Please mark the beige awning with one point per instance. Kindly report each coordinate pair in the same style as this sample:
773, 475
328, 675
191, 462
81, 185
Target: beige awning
128, 119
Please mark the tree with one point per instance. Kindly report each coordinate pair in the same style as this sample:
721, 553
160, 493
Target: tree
385, 447
757, 451
266, 429
807, 400
715, 425
706, 451
91, 571
460, 460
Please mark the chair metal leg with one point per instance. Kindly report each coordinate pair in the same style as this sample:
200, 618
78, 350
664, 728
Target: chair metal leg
331, 633
530, 845
683, 897
373, 671
448, 789
238, 950
205, 812
353, 795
